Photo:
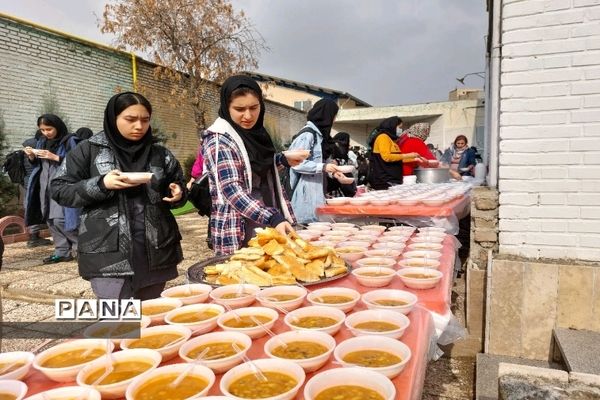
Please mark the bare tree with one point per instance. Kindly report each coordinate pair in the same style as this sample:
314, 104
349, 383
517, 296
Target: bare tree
191, 40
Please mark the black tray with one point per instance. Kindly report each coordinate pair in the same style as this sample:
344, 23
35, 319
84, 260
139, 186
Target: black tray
195, 273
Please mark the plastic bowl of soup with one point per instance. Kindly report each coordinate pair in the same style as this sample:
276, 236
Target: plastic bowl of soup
67, 393
420, 278
15, 364
309, 235
283, 380
188, 294
377, 323
432, 255
378, 353
419, 262
221, 355
335, 236
400, 239
353, 243
317, 318
350, 253
235, 296
156, 383
283, 297
342, 225
126, 366
62, 363
431, 234
390, 299
389, 245
116, 330
337, 201
348, 383
408, 230
319, 227
432, 229
200, 318
308, 349
427, 239
337, 297
156, 309
12, 390
250, 320
374, 276
166, 339
360, 201
389, 253
385, 262
379, 229
323, 243
425, 246
365, 236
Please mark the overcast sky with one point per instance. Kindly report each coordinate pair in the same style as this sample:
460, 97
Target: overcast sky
385, 52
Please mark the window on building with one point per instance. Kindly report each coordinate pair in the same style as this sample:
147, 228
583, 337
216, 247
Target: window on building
303, 105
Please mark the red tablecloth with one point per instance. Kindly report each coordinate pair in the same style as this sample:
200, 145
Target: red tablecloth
409, 383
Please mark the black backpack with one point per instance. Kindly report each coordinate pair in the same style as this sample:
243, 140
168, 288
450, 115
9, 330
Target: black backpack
284, 178
14, 166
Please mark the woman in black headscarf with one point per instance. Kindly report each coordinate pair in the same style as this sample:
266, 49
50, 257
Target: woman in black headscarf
242, 167
129, 242
346, 188
306, 179
385, 162
51, 147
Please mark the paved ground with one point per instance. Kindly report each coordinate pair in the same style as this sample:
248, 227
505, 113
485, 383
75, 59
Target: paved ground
28, 289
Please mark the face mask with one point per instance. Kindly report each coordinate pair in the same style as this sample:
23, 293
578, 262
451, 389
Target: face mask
398, 131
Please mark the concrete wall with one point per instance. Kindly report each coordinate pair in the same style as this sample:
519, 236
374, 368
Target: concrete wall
37, 64
549, 174
448, 119
529, 299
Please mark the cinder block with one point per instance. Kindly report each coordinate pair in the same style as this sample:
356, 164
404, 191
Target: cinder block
547, 374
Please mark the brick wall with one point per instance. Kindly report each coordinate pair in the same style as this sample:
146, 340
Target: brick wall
36, 63
549, 175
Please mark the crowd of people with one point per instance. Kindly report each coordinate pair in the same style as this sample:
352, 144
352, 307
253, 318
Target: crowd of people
121, 229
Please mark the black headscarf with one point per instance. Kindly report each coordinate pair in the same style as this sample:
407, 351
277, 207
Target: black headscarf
342, 145
62, 134
322, 115
257, 141
132, 154
387, 126
84, 133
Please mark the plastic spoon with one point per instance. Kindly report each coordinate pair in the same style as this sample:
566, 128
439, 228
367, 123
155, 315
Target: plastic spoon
189, 369
109, 366
253, 366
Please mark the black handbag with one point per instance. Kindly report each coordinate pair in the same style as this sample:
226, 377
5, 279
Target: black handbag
199, 195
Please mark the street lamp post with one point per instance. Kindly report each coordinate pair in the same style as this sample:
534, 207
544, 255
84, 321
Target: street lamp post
479, 74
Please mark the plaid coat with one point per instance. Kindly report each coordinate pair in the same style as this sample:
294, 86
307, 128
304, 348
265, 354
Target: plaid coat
228, 168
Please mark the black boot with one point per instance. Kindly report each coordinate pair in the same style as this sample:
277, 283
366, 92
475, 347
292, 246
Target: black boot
35, 240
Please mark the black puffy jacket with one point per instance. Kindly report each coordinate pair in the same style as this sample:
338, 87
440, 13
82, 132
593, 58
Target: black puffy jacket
104, 232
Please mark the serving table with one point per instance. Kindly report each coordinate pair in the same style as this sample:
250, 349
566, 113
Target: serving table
419, 336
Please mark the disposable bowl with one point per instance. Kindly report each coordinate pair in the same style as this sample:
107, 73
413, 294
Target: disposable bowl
68, 374
266, 365
308, 364
349, 376
25, 357
370, 299
316, 296
218, 365
199, 371
372, 342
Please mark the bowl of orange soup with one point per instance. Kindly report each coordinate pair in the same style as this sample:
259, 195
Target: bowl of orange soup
161, 383
378, 353
280, 380
188, 294
250, 320
116, 331
12, 390
156, 309
124, 366
225, 349
62, 363
166, 339
15, 364
200, 318
308, 349
337, 297
390, 299
349, 383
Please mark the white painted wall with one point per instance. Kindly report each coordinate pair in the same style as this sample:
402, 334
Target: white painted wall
549, 174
